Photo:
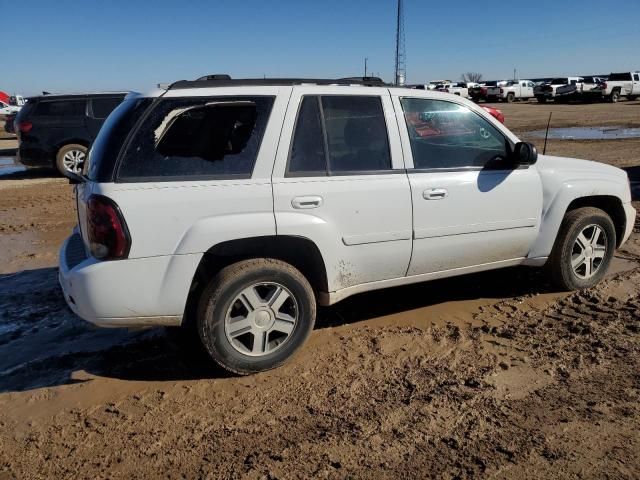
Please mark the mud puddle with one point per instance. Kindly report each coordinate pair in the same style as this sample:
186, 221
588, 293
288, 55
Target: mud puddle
587, 133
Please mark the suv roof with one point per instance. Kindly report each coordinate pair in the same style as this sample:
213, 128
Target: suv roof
209, 81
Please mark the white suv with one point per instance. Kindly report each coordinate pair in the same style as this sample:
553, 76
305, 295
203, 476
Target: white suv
241, 204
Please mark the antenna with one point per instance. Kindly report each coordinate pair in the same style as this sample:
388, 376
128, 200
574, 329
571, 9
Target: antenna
401, 67
546, 135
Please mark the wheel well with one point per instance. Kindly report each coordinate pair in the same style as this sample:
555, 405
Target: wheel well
611, 205
300, 252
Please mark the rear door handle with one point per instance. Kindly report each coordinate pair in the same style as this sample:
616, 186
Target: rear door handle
306, 202
435, 193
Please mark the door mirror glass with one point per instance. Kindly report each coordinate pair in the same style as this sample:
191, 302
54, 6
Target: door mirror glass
525, 153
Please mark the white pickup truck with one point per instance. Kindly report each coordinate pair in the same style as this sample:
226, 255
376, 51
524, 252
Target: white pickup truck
240, 205
517, 90
620, 85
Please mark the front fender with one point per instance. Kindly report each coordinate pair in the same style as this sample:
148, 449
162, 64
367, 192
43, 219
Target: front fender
556, 208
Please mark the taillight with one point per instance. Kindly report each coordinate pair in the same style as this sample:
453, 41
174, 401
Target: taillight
604, 85
107, 231
25, 127
483, 90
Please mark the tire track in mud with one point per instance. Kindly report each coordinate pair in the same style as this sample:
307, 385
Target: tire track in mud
520, 392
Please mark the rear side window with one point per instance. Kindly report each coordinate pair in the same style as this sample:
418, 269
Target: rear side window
340, 134
60, 108
197, 138
101, 107
636, 77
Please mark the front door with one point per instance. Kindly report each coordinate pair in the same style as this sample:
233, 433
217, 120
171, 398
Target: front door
471, 206
340, 182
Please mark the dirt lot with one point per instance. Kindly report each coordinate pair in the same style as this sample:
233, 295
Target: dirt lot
492, 375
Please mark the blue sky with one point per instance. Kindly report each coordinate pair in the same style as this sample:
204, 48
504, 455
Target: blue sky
95, 45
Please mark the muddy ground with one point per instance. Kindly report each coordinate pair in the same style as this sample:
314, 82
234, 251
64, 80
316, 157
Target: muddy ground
491, 375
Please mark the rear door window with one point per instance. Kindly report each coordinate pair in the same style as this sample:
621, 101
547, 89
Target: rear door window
60, 108
101, 107
340, 135
197, 138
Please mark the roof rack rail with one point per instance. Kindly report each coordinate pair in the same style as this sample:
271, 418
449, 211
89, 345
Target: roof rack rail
221, 80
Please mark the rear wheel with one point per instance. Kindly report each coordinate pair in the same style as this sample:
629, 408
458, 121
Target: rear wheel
255, 314
70, 159
510, 97
541, 99
615, 96
583, 249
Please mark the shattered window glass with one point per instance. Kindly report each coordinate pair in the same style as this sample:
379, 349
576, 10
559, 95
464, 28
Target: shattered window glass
198, 137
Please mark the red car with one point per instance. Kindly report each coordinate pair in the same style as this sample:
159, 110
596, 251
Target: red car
495, 113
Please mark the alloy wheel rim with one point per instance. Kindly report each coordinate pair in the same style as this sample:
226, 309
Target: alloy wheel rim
73, 160
589, 251
261, 319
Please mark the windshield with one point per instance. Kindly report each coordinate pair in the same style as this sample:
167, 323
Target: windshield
107, 145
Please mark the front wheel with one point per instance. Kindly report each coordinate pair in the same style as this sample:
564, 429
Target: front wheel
255, 314
583, 249
70, 159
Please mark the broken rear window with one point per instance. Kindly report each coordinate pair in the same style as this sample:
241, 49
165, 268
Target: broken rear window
203, 138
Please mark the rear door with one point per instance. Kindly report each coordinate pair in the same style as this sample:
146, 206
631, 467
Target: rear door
339, 181
471, 207
57, 121
98, 110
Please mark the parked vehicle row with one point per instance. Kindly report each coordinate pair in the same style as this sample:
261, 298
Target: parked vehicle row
241, 205
561, 89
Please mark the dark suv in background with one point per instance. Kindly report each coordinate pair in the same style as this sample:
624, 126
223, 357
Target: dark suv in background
56, 130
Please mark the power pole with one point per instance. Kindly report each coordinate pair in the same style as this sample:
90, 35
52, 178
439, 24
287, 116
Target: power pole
401, 67
365, 66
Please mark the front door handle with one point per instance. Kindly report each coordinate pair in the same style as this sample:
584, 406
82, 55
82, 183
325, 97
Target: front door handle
435, 193
306, 202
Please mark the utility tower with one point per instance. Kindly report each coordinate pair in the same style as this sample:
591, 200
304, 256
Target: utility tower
401, 67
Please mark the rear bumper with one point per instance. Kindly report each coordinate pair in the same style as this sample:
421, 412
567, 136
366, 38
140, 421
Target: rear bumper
34, 157
125, 293
630, 213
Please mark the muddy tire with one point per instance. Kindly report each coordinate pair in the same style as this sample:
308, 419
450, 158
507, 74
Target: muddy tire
255, 314
583, 249
510, 97
70, 159
615, 96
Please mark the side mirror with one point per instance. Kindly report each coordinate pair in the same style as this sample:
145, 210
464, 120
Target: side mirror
525, 153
